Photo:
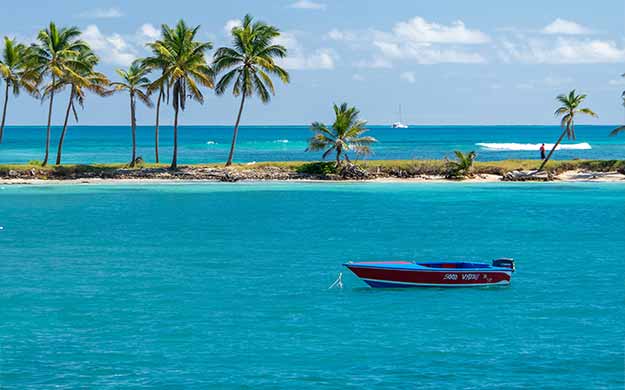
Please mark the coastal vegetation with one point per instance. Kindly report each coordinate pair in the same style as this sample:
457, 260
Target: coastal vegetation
135, 82
293, 170
52, 57
570, 106
180, 68
462, 167
181, 59
620, 129
343, 136
248, 66
16, 73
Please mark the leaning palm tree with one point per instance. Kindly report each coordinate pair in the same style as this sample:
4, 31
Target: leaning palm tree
16, 72
568, 110
345, 135
619, 129
249, 63
136, 83
80, 77
56, 48
182, 61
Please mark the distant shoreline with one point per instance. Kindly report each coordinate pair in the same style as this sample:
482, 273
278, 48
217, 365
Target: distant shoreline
376, 171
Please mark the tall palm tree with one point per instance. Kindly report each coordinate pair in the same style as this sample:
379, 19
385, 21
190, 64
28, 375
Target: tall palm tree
157, 61
136, 83
56, 48
80, 77
568, 110
16, 72
183, 63
249, 63
619, 129
345, 135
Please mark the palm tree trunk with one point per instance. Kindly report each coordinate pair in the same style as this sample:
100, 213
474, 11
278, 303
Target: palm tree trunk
554, 148
45, 159
338, 156
174, 160
133, 128
158, 110
60, 148
4, 111
236, 132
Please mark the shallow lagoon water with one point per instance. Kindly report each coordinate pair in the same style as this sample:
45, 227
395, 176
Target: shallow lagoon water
225, 286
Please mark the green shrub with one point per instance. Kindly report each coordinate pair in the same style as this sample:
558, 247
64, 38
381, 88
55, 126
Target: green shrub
317, 168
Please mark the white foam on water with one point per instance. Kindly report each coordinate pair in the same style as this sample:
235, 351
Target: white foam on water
281, 141
211, 143
511, 146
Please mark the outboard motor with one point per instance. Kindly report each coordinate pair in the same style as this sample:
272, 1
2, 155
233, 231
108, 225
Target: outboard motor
504, 263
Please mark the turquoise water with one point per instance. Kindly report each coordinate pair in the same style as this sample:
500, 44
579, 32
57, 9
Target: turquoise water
225, 286
203, 144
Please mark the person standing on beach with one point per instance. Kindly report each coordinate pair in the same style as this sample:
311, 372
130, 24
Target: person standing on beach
542, 151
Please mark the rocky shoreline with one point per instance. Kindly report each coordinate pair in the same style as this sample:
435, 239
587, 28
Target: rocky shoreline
275, 173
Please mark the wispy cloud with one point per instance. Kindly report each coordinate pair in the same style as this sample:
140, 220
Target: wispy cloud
409, 77
565, 27
307, 4
300, 58
232, 23
416, 40
562, 51
101, 13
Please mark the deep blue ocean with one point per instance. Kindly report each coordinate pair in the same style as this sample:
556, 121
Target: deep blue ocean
207, 144
225, 286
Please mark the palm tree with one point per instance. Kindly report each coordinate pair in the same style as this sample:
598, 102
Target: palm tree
345, 135
568, 110
182, 61
151, 63
81, 77
618, 129
136, 83
52, 54
250, 62
463, 166
16, 72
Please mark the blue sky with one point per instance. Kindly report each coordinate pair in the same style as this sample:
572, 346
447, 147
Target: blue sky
445, 62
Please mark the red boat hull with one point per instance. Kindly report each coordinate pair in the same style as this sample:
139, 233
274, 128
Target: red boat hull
384, 277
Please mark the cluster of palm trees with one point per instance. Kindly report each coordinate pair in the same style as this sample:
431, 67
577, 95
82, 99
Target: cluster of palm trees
60, 59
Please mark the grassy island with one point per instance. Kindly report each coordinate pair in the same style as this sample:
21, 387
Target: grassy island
302, 170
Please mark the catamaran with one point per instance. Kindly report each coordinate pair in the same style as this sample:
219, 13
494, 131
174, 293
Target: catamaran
399, 125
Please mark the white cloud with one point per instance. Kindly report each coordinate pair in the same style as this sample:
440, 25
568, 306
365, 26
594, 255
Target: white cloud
299, 58
620, 81
232, 23
113, 48
409, 77
416, 40
374, 63
562, 51
147, 33
561, 26
307, 4
341, 35
102, 13
419, 30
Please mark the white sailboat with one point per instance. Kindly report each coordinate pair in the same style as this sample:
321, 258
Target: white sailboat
399, 125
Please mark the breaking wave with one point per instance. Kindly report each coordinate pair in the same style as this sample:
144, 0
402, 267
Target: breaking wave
211, 142
281, 141
534, 147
